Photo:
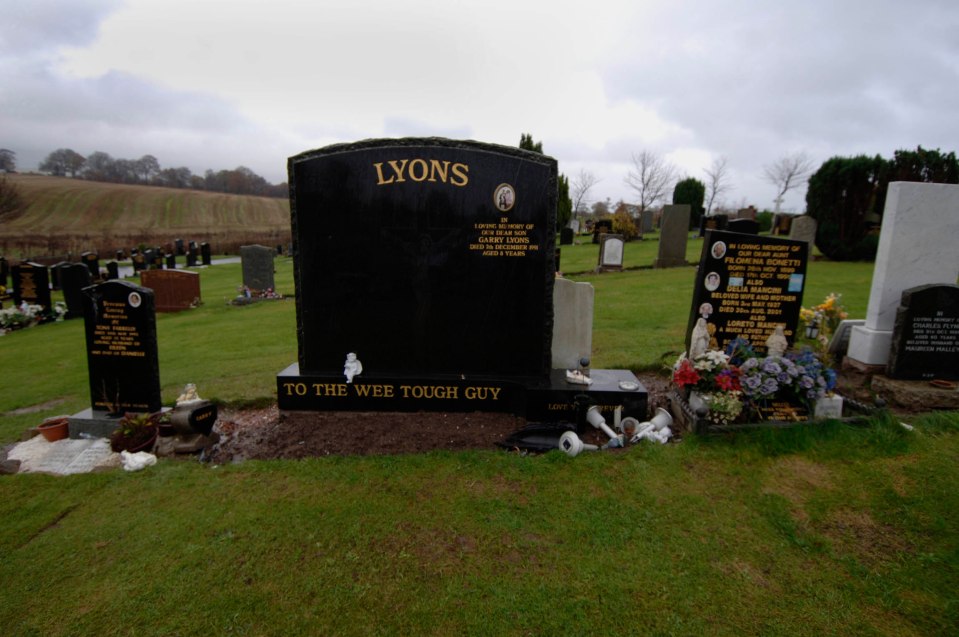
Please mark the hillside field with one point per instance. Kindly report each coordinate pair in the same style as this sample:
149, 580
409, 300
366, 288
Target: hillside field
72, 215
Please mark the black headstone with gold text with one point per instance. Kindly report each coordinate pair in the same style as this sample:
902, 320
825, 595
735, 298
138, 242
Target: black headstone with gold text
433, 261
120, 321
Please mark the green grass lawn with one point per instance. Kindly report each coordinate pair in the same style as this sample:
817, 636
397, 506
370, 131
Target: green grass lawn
819, 530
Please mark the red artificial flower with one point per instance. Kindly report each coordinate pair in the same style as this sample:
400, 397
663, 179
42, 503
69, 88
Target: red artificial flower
686, 374
728, 379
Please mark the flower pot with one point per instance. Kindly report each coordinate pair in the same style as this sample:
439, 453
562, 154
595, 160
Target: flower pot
55, 429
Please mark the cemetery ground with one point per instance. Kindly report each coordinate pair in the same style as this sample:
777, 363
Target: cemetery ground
835, 528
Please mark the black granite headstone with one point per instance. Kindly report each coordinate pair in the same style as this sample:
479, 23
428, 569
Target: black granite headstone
180, 251
139, 262
279, 248
193, 247
120, 255
602, 226
171, 262
31, 283
73, 278
713, 222
743, 226
747, 285
55, 273
92, 261
566, 237
206, 254
4, 271
120, 323
113, 270
925, 339
191, 258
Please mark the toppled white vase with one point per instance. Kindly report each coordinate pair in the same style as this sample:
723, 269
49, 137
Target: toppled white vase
595, 418
137, 461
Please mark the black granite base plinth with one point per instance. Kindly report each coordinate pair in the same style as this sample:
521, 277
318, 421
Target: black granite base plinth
549, 400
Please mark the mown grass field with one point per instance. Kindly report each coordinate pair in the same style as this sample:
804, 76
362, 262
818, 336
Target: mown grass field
826, 529
72, 215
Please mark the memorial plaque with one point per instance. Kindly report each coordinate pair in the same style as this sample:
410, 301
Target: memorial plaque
257, 262
173, 290
73, 278
925, 339
122, 359
746, 286
92, 261
206, 254
31, 283
611, 252
424, 256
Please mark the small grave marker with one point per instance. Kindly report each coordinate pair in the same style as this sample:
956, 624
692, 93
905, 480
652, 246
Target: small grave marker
611, 252
257, 262
173, 290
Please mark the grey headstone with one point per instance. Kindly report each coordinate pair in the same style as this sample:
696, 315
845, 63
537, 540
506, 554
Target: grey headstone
803, 229
572, 323
673, 237
611, 252
257, 267
839, 343
646, 221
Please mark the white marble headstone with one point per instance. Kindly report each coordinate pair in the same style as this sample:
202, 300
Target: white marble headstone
918, 245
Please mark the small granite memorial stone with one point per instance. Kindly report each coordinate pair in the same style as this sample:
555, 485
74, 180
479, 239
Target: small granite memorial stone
258, 270
611, 252
925, 341
31, 283
803, 228
206, 253
92, 261
743, 226
73, 278
673, 236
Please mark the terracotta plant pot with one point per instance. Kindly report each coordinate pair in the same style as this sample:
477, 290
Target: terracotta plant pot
55, 429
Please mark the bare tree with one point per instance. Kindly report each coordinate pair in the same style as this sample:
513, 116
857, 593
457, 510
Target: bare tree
787, 173
716, 184
582, 184
652, 177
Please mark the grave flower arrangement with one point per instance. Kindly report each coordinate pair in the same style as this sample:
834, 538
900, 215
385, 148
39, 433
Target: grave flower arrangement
734, 383
18, 317
135, 432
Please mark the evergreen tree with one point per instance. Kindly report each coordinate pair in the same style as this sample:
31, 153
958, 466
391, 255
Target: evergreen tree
691, 191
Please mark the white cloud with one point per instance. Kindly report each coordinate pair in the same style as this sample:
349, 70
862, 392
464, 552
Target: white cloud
219, 83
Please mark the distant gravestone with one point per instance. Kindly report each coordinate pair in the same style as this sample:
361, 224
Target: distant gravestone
206, 254
139, 262
55, 273
157, 262
803, 228
925, 340
120, 255
73, 278
646, 221
782, 223
839, 343
673, 236
917, 246
191, 259
743, 226
566, 237
150, 257
31, 283
173, 290
4, 271
124, 370
180, 251
574, 225
713, 222
92, 261
572, 323
279, 249
113, 270
601, 227
611, 252
258, 270
747, 285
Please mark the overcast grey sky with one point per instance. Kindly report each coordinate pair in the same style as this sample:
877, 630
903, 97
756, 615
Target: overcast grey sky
222, 83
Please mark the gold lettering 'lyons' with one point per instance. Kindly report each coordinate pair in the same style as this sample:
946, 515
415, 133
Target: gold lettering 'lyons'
397, 171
